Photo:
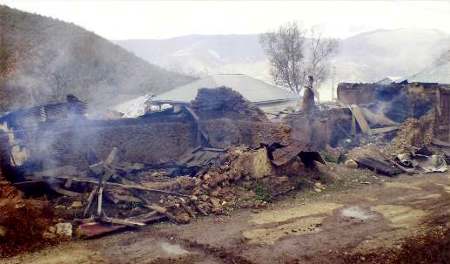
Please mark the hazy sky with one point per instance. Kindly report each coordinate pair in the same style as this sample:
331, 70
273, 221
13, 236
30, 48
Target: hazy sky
164, 19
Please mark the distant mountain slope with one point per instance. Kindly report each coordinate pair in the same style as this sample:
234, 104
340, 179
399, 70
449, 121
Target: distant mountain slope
374, 55
204, 54
438, 73
366, 57
50, 58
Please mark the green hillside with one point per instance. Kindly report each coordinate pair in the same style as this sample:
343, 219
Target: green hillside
44, 59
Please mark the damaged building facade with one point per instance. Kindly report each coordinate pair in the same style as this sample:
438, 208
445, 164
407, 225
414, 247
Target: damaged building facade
215, 119
399, 101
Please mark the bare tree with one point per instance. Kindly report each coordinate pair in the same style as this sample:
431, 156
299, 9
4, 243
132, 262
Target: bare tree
284, 48
295, 53
319, 54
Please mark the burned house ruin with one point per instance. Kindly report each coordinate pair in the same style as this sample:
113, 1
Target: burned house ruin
179, 162
399, 101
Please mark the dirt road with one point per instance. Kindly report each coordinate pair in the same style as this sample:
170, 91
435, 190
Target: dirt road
304, 228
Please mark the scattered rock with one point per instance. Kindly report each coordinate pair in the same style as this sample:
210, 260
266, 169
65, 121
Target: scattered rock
351, 164
76, 205
64, 229
182, 218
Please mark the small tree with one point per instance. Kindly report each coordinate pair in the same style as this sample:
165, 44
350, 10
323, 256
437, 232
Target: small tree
318, 63
284, 49
295, 53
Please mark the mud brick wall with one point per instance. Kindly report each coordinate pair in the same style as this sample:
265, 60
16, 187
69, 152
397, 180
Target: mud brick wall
356, 93
224, 132
442, 125
365, 93
322, 128
138, 141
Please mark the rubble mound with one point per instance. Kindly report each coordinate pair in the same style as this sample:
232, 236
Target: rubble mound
413, 133
217, 190
23, 222
224, 102
369, 150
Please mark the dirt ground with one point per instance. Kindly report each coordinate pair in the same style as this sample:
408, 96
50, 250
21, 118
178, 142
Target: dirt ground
330, 225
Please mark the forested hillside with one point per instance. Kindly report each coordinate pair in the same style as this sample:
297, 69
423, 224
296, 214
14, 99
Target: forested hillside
44, 59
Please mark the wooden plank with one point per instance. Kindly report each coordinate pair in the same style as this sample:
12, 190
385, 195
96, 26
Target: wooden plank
378, 166
124, 186
201, 132
90, 229
353, 125
125, 222
440, 143
362, 122
382, 130
162, 210
89, 201
99, 200
63, 191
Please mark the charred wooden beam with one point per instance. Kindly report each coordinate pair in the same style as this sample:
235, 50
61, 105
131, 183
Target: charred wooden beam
378, 166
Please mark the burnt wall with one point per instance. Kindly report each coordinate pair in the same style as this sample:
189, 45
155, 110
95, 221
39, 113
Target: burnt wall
356, 93
226, 132
321, 128
367, 93
143, 140
398, 101
442, 125
75, 143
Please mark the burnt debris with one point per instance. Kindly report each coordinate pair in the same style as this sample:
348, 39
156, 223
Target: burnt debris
193, 159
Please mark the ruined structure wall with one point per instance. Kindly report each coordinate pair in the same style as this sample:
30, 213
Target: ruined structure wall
442, 129
139, 140
365, 93
324, 128
355, 93
226, 132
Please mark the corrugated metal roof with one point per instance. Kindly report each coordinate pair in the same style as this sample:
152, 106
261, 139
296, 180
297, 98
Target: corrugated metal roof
252, 89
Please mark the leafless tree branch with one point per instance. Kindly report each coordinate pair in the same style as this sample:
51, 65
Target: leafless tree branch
295, 53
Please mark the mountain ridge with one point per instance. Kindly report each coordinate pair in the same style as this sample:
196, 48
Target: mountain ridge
365, 57
52, 58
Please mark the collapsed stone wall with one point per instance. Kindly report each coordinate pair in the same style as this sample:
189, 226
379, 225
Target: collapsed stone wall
223, 114
225, 132
322, 128
139, 140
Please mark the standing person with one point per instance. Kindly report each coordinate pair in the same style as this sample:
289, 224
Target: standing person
308, 103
